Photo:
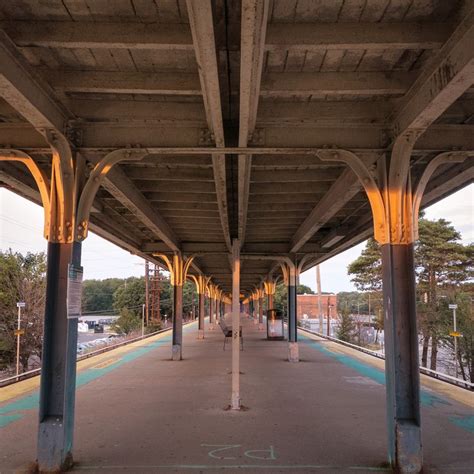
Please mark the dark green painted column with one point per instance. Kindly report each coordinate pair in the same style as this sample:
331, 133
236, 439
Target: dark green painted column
58, 366
177, 353
401, 358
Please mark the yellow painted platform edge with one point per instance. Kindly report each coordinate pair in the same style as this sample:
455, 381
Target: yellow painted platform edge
447, 390
28, 385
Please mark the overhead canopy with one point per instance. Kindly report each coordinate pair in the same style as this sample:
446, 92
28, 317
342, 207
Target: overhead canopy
232, 100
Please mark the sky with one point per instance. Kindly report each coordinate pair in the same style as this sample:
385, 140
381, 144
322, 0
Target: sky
21, 230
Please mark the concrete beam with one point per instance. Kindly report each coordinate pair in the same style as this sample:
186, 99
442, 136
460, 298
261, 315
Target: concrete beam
124, 82
443, 81
202, 30
20, 88
72, 35
289, 84
253, 30
365, 36
293, 37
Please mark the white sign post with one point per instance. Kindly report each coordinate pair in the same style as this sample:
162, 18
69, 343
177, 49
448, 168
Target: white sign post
454, 307
18, 332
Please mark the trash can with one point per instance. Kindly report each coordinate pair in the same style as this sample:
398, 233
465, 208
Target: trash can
275, 328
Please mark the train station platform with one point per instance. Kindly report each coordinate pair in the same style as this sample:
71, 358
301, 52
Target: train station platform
138, 411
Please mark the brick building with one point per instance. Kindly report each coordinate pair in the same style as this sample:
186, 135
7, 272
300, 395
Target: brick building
308, 305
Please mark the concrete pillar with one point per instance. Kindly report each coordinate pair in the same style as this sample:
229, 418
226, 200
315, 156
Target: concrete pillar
401, 358
201, 316
177, 351
58, 366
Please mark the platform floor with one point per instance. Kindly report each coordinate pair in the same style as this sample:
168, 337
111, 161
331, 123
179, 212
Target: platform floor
137, 411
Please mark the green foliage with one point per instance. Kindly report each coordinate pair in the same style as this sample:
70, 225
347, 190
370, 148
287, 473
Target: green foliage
304, 290
280, 300
130, 295
465, 325
22, 278
98, 295
127, 322
367, 268
442, 264
346, 327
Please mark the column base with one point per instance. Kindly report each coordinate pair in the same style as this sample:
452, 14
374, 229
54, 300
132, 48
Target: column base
235, 402
176, 353
261, 327
293, 352
51, 445
212, 327
255, 321
200, 334
408, 457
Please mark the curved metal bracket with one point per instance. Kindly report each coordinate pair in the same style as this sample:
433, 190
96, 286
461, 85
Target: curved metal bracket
40, 179
371, 188
94, 182
62, 188
442, 158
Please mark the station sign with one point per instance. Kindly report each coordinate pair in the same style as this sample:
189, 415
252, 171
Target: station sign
453, 306
19, 332
455, 334
21, 304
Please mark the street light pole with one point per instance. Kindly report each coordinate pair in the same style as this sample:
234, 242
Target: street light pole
143, 320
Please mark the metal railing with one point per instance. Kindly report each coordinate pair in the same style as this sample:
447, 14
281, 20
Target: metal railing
35, 372
430, 373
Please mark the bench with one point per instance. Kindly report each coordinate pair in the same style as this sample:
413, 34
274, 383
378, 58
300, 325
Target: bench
227, 330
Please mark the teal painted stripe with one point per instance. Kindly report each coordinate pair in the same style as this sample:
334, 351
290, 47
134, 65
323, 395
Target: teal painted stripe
426, 399
466, 422
31, 401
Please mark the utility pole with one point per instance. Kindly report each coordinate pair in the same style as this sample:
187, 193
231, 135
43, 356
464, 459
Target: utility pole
147, 298
329, 318
320, 303
18, 333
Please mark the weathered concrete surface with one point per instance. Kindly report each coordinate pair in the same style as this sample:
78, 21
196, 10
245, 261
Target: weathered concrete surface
139, 412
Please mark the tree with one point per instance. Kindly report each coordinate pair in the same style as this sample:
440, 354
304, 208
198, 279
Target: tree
127, 322
465, 326
98, 295
22, 278
441, 262
367, 269
346, 326
304, 290
130, 295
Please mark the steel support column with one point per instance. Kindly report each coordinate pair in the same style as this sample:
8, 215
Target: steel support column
177, 351
260, 310
201, 316
395, 206
58, 367
293, 355
178, 267
235, 400
211, 310
401, 357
